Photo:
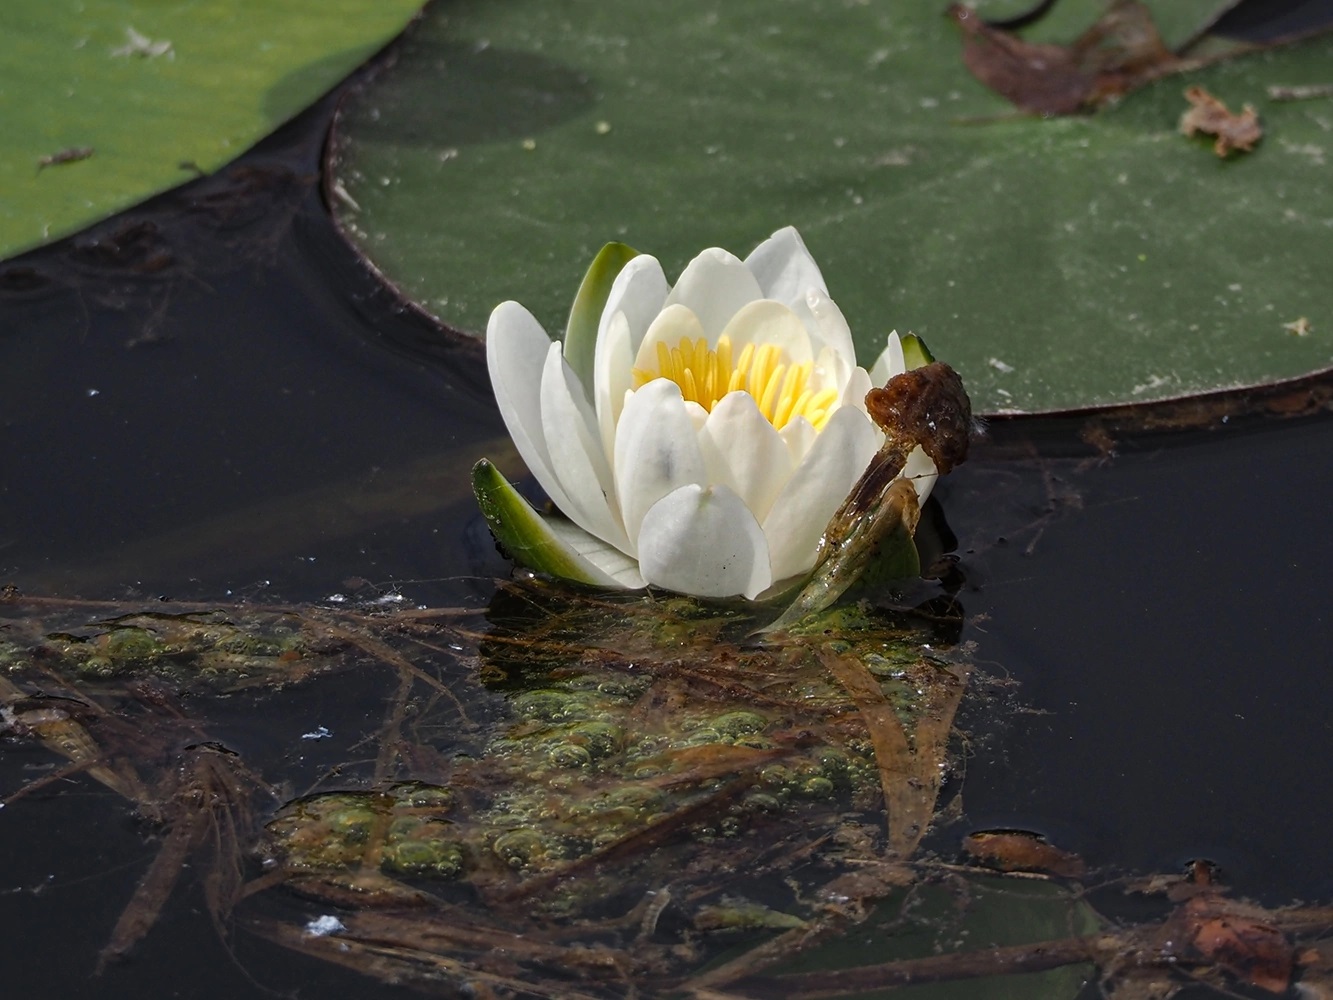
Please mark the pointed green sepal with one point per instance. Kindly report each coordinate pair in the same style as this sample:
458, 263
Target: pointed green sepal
915, 352
524, 533
586, 314
870, 539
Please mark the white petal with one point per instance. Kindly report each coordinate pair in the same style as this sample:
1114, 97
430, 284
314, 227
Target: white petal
744, 452
715, 285
799, 436
854, 392
656, 452
611, 376
575, 446
672, 325
820, 483
830, 372
698, 415
832, 329
921, 470
516, 349
889, 363
639, 291
704, 541
802, 310
766, 321
619, 569
784, 268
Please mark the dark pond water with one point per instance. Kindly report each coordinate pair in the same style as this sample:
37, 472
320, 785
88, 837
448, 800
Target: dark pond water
209, 398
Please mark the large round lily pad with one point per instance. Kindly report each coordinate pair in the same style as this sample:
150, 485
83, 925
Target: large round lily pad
1057, 263
105, 102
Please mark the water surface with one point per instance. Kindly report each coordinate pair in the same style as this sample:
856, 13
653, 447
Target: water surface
209, 398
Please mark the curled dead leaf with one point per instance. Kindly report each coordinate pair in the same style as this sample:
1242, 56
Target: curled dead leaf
1122, 50
1253, 951
1207, 114
1242, 939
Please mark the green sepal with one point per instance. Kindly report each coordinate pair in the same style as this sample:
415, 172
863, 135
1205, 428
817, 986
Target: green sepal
585, 315
898, 559
915, 352
522, 532
869, 541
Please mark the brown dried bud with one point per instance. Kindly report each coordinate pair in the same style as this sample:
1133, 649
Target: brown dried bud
929, 407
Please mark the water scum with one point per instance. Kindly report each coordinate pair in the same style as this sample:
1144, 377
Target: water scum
578, 793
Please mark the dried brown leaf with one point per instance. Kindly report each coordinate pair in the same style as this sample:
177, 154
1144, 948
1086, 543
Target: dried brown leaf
1240, 942
1019, 850
1207, 114
1238, 938
1121, 51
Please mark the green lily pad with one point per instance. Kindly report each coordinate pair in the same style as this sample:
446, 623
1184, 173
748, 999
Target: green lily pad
998, 912
1056, 263
106, 102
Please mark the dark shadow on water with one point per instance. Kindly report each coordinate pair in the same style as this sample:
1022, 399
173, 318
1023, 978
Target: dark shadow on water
214, 361
293, 89
483, 94
1166, 612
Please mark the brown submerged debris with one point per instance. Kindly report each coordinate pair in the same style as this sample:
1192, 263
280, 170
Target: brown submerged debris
208, 802
1207, 939
797, 762
61, 722
1022, 851
1207, 114
633, 748
911, 769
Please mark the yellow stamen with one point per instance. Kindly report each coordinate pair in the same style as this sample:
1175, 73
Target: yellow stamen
706, 374
767, 394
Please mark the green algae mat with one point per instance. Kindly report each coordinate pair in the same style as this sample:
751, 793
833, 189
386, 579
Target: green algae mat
1060, 262
106, 102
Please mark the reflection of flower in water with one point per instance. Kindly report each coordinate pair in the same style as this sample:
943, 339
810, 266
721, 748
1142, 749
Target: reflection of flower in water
701, 441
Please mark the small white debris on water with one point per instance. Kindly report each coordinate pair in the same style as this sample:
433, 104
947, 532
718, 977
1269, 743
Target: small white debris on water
1299, 327
324, 926
1154, 382
342, 194
897, 158
999, 365
1309, 149
94, 392
137, 44
322, 733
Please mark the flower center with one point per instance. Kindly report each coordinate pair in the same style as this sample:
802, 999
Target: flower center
707, 374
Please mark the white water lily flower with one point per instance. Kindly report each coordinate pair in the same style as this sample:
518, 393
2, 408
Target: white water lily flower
697, 437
